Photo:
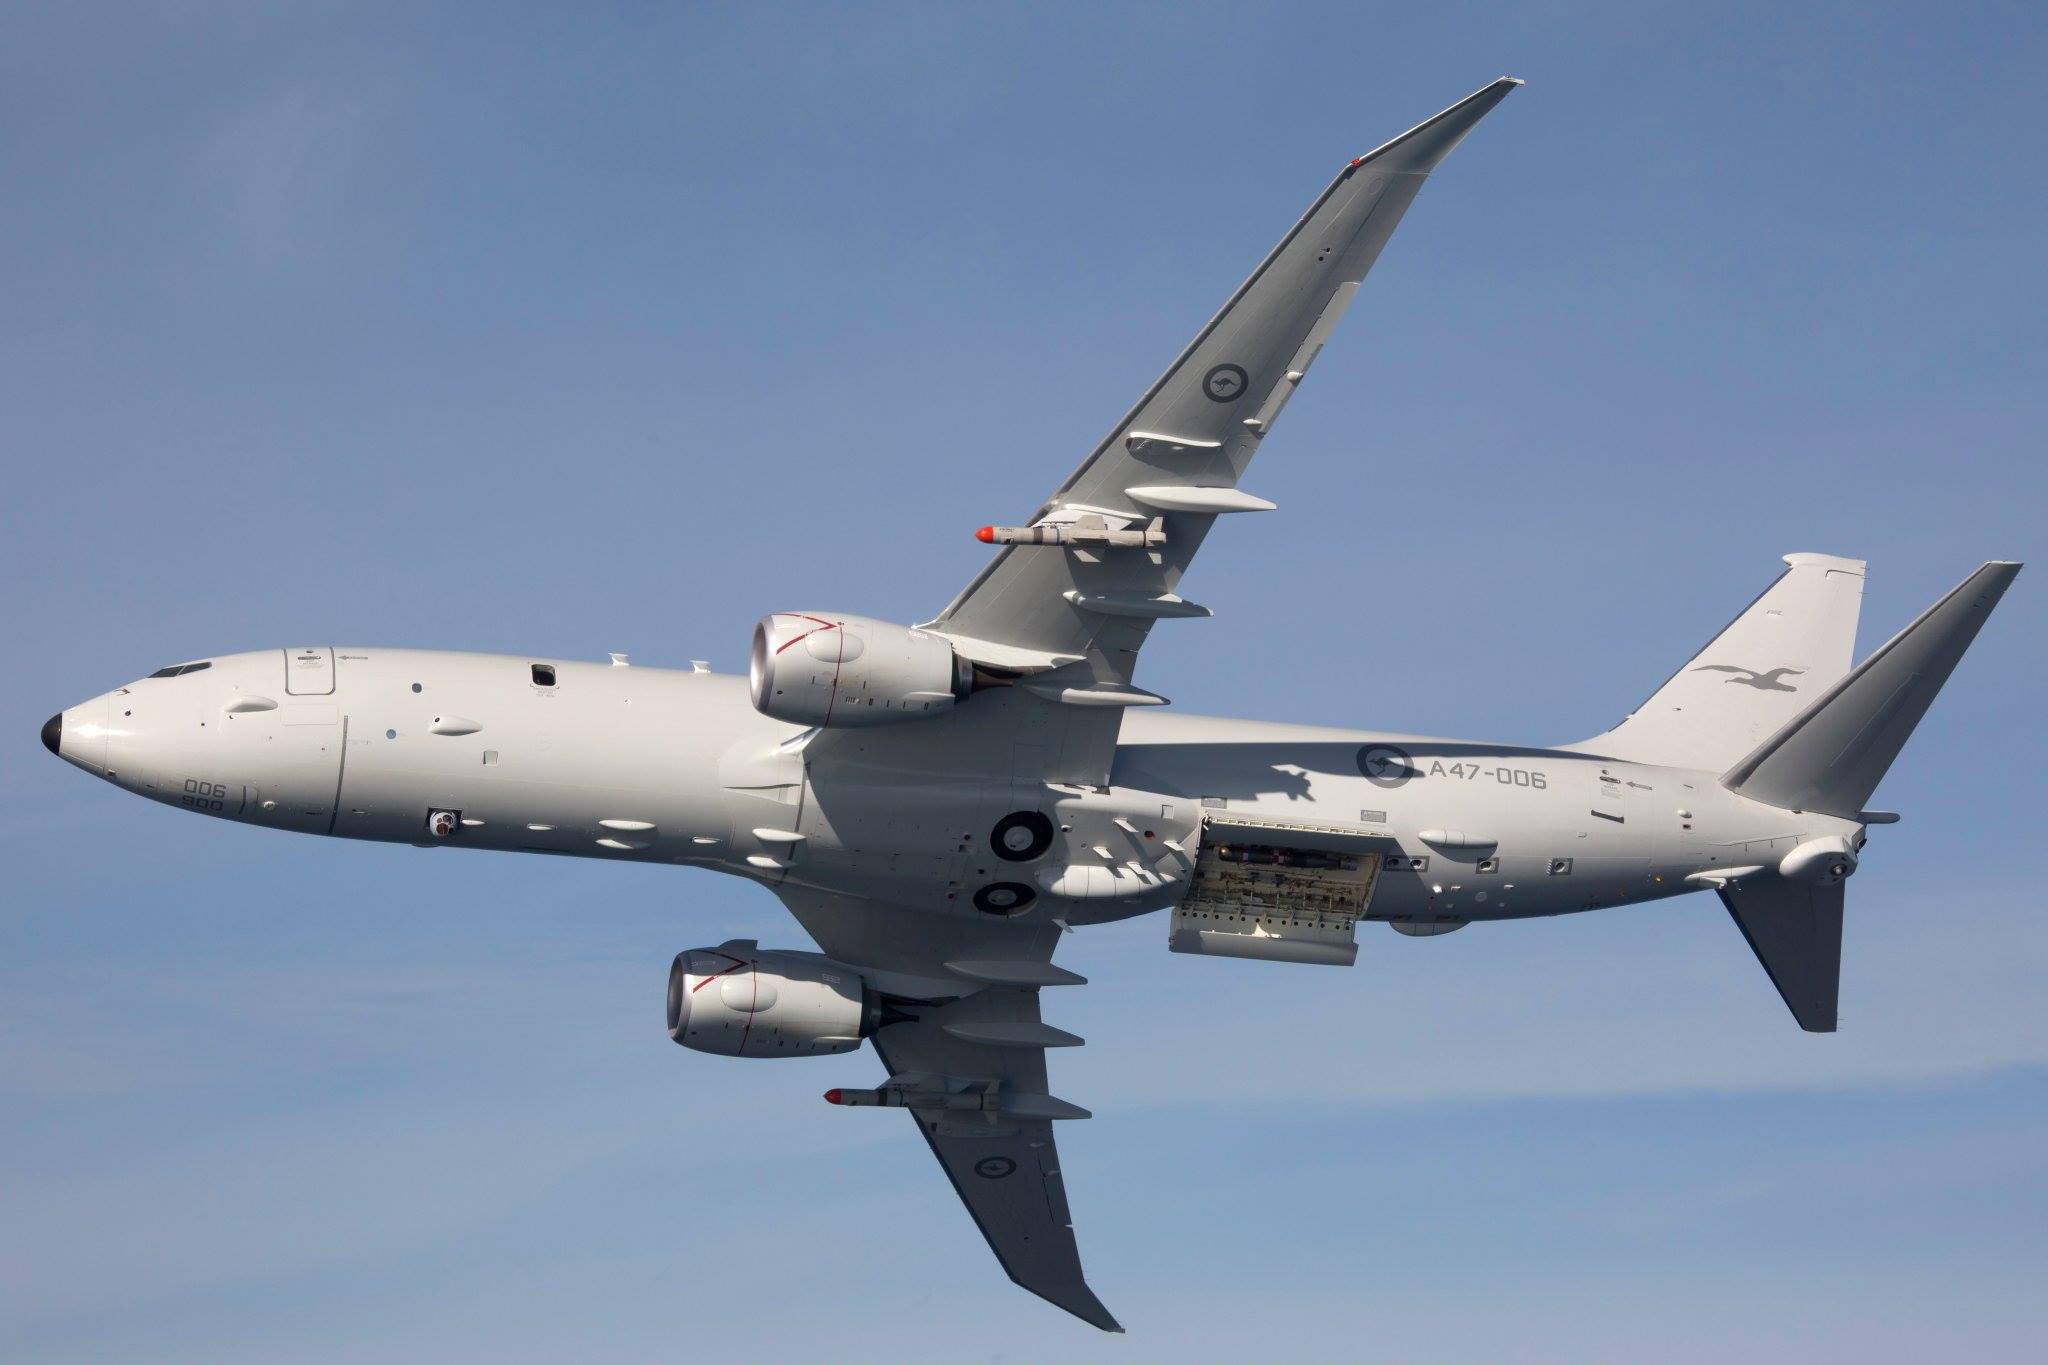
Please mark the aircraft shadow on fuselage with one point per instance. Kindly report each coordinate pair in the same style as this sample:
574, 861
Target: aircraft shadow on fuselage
1267, 771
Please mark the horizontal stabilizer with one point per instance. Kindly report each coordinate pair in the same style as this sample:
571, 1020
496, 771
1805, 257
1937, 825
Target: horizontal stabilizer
1831, 756
1795, 930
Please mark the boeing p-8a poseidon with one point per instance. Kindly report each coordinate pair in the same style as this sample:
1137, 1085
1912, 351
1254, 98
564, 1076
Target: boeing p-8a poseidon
936, 803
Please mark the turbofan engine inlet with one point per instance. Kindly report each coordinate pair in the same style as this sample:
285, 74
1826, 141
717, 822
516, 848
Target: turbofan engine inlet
836, 670
737, 1001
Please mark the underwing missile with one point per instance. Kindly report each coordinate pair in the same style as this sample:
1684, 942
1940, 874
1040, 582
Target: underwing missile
1073, 533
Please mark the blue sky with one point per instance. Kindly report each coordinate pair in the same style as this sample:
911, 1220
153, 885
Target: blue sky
503, 328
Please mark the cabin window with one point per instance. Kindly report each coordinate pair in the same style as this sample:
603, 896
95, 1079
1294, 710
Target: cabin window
543, 675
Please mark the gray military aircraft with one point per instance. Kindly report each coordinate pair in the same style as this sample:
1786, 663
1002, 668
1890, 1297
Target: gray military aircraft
937, 803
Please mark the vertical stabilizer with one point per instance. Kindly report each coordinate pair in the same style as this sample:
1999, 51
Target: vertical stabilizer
1831, 756
1782, 651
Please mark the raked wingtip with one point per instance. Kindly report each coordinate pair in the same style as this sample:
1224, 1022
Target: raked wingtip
1422, 147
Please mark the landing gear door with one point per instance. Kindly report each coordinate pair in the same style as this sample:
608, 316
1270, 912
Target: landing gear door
309, 672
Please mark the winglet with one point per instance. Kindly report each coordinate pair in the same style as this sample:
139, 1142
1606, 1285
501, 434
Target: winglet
1418, 150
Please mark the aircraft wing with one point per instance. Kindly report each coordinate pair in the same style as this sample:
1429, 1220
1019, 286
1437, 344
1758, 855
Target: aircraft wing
1062, 610
984, 1048
1171, 466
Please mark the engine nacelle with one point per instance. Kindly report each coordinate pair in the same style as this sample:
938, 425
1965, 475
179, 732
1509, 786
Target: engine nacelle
738, 1001
830, 669
1821, 861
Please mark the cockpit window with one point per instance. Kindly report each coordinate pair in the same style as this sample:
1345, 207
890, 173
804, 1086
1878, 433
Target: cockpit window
175, 669
543, 675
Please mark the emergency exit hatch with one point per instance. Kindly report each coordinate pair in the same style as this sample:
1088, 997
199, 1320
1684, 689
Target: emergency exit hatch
309, 672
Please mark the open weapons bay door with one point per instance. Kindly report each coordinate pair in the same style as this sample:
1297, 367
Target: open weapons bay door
1278, 891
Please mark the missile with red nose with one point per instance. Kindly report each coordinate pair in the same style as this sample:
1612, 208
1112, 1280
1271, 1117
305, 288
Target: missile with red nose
1074, 533
896, 1098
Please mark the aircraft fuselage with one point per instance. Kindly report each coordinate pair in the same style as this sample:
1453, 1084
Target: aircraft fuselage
661, 765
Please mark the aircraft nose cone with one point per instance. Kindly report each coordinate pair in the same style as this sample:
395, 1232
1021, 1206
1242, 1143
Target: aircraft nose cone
78, 735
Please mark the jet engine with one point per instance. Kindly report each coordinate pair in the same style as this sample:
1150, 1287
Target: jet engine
738, 1001
835, 670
